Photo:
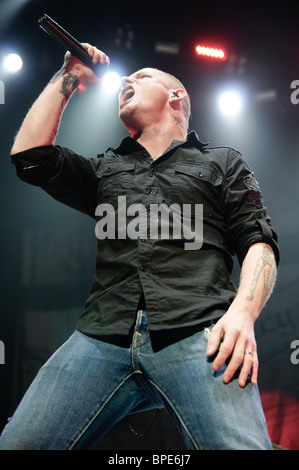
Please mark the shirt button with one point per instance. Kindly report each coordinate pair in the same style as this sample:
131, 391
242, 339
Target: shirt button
143, 269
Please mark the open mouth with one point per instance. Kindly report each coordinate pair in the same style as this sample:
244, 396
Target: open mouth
128, 93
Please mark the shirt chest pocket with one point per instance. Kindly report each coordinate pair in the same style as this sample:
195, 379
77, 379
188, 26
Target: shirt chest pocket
115, 179
196, 183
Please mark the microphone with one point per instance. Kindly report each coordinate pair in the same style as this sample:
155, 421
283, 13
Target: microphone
70, 43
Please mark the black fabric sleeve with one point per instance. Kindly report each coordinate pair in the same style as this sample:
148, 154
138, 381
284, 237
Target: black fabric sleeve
66, 176
247, 219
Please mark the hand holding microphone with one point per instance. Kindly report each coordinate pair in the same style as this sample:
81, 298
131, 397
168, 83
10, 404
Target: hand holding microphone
90, 56
86, 73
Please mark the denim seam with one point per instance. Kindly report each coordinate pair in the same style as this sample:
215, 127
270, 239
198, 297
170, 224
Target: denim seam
95, 415
176, 412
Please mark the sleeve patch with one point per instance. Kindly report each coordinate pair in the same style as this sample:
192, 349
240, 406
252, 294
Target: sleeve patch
254, 195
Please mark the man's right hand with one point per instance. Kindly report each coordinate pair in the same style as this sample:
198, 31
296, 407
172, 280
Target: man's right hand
84, 73
41, 123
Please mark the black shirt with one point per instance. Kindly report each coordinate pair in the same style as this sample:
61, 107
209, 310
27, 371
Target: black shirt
182, 287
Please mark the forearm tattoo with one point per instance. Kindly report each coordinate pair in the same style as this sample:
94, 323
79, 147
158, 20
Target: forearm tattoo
265, 270
69, 84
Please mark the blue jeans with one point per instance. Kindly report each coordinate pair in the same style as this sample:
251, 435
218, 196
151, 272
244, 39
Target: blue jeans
87, 386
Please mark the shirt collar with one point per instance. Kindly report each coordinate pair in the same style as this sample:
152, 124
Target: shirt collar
193, 141
129, 144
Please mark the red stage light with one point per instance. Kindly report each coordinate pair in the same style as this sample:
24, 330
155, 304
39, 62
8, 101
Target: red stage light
210, 52
82, 88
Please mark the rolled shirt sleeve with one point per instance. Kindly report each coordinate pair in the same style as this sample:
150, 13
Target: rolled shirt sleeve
67, 176
247, 219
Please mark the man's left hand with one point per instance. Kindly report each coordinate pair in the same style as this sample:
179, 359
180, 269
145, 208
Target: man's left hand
233, 337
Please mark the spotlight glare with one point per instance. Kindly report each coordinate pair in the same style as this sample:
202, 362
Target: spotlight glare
111, 82
13, 63
230, 103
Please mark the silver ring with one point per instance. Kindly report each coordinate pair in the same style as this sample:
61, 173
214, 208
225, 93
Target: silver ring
248, 352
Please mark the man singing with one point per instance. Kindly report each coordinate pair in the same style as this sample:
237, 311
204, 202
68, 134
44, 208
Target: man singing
163, 326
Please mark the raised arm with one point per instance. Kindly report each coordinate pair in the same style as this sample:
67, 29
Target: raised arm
234, 332
41, 123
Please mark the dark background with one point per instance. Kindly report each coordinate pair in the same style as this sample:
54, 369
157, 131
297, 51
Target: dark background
48, 250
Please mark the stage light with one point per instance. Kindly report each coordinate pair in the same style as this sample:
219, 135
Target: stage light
167, 48
13, 63
82, 88
211, 52
111, 82
230, 103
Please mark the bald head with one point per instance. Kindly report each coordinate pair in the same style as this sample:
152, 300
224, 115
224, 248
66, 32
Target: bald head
149, 96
